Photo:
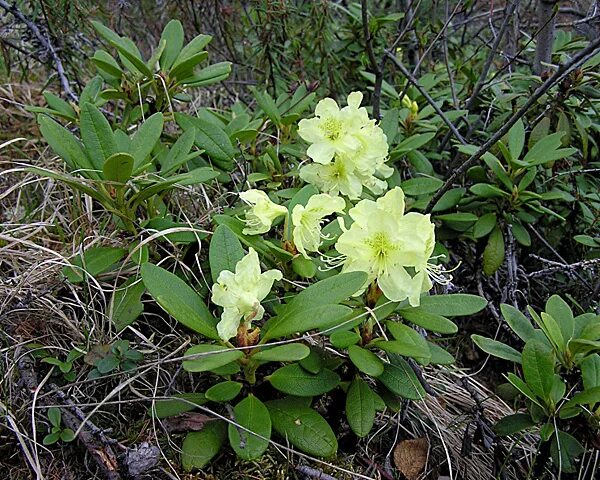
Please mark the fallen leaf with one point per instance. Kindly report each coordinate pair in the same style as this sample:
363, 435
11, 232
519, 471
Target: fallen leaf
410, 457
186, 422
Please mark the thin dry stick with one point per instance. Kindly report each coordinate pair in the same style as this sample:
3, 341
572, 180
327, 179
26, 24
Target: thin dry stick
46, 43
427, 97
374, 65
577, 59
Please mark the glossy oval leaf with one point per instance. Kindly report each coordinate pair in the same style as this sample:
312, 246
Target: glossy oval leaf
303, 427
294, 380
179, 300
209, 357
251, 414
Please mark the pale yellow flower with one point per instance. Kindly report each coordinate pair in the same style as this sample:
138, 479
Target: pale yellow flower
307, 221
240, 294
262, 214
393, 248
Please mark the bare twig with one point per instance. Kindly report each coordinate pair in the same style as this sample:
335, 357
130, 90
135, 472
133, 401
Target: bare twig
374, 65
427, 97
46, 43
564, 69
314, 473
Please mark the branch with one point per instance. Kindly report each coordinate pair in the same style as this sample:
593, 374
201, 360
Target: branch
46, 43
510, 10
423, 92
376, 70
564, 69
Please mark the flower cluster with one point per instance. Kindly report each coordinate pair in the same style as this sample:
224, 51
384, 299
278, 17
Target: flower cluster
240, 294
349, 151
392, 247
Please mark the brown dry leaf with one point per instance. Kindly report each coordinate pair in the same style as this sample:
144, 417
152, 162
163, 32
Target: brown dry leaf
410, 457
186, 422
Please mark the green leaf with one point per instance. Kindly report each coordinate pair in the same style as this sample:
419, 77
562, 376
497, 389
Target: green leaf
95, 260
67, 435
294, 380
512, 424
453, 305
343, 339
209, 357
485, 190
421, 186
439, 356
360, 407
224, 391
184, 402
66, 146
193, 48
173, 36
304, 267
522, 387
538, 368
320, 317
496, 348
54, 416
267, 105
106, 63
282, 353
208, 75
97, 135
185, 68
484, 225
552, 330
126, 304
401, 380
412, 143
303, 427
332, 290
516, 139
118, 168
199, 448
179, 300
562, 313
518, 322
449, 199
589, 396
251, 414
365, 360
58, 104
429, 321
407, 342
590, 371
225, 251
51, 438
564, 450
493, 254
146, 138
546, 150
211, 138
389, 124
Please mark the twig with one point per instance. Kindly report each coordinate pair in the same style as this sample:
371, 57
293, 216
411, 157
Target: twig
103, 454
423, 92
559, 267
374, 65
46, 43
577, 59
314, 473
509, 11
558, 255
419, 375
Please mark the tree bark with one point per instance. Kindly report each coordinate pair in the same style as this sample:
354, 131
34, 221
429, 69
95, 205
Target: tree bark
545, 35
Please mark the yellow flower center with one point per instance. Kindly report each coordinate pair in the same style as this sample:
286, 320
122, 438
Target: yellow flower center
332, 128
381, 246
